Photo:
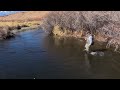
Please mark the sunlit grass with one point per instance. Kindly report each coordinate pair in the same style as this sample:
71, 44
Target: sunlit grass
16, 23
6, 28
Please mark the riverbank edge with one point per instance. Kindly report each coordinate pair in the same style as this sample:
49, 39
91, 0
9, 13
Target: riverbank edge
26, 28
7, 32
65, 33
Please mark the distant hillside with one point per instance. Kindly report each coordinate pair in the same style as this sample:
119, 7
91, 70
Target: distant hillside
24, 16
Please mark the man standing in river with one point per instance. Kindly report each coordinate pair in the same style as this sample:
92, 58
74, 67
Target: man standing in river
89, 41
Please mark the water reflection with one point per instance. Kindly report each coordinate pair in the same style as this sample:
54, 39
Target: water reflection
36, 55
69, 52
87, 62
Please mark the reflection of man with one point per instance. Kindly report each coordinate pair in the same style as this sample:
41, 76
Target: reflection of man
89, 41
87, 64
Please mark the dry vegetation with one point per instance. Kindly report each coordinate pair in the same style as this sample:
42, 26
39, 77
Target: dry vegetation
5, 33
19, 25
25, 16
6, 28
105, 25
20, 21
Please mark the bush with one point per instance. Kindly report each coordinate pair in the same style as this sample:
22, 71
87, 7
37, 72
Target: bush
103, 23
67, 19
5, 33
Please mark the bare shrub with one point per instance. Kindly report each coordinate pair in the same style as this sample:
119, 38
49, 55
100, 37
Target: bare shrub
115, 42
67, 19
104, 23
5, 33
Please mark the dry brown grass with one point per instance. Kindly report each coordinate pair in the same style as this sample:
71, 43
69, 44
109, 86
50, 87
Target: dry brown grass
5, 33
6, 28
25, 16
21, 20
16, 23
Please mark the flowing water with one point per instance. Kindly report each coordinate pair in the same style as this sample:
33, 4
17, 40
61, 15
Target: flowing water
34, 54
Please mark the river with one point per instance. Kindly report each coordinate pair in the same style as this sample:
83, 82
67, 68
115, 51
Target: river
35, 55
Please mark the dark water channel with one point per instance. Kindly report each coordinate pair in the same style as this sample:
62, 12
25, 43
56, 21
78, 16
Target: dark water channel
33, 54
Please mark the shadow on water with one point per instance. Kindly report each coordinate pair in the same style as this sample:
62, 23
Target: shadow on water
100, 50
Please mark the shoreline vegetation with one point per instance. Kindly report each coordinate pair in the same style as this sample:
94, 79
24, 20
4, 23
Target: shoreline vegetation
9, 29
13, 23
104, 25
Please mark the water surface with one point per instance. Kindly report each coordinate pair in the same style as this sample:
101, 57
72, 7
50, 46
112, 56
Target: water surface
34, 54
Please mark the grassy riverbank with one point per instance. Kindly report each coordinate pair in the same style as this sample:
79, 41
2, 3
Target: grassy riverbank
19, 22
7, 28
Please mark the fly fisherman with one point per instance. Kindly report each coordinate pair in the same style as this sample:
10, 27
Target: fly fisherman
89, 41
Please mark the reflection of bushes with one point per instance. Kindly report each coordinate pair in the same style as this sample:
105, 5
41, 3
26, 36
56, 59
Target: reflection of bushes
57, 41
103, 24
62, 41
